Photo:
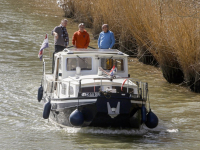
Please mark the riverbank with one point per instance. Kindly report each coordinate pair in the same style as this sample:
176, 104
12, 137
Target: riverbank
166, 31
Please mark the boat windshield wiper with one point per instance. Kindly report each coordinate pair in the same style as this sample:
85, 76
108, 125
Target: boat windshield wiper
81, 58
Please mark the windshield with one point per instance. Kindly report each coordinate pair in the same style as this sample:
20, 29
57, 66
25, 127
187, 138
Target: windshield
108, 63
85, 63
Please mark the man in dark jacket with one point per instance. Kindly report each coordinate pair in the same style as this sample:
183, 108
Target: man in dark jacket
61, 38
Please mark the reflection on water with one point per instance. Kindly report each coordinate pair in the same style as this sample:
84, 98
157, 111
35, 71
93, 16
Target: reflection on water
23, 25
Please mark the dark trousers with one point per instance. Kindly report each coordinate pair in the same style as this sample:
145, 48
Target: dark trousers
58, 48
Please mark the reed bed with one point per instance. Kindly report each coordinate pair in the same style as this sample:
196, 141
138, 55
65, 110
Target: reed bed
168, 30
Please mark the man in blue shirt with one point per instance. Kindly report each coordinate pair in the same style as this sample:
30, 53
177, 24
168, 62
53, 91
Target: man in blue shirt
106, 38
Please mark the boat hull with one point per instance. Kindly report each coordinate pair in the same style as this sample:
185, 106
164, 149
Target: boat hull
114, 111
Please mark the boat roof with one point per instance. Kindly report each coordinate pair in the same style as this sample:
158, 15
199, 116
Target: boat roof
96, 51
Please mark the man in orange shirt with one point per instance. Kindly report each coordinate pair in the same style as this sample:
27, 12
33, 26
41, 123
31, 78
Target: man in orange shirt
81, 38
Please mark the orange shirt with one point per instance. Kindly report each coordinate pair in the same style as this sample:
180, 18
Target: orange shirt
81, 39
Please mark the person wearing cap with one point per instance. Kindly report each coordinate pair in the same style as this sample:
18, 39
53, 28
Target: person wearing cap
81, 38
106, 38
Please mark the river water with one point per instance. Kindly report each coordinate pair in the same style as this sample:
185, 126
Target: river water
23, 25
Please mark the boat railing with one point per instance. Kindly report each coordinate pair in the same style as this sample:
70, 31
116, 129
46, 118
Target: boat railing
55, 87
44, 64
142, 87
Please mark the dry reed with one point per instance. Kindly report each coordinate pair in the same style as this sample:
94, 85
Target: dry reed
169, 30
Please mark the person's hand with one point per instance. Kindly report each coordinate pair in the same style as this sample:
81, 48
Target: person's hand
56, 35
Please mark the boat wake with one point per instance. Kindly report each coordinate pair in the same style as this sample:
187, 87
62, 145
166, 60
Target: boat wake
160, 129
110, 131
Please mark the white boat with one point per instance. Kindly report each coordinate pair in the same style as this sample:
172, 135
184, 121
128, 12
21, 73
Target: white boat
92, 87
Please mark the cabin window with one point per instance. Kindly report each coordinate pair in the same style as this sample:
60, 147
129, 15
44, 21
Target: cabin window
71, 91
108, 63
90, 89
85, 63
64, 89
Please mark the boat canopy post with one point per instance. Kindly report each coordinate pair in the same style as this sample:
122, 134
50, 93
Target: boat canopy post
146, 90
101, 84
127, 85
142, 90
137, 83
43, 67
69, 90
51, 91
80, 86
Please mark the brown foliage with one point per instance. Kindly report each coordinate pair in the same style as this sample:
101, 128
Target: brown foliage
169, 30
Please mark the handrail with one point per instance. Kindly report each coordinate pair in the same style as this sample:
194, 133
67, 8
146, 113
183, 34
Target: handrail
104, 78
88, 46
142, 87
70, 46
91, 47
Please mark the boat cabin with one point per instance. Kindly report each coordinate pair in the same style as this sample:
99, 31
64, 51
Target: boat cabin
88, 70
88, 61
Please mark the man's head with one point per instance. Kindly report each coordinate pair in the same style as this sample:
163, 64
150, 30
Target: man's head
64, 22
105, 27
81, 27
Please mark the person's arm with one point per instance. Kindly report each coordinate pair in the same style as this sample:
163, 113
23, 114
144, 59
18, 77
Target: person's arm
99, 40
87, 41
55, 35
74, 39
54, 32
113, 40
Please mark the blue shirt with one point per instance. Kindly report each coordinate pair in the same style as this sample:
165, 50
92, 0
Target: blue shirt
106, 40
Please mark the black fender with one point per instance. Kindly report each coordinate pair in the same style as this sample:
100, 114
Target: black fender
47, 109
